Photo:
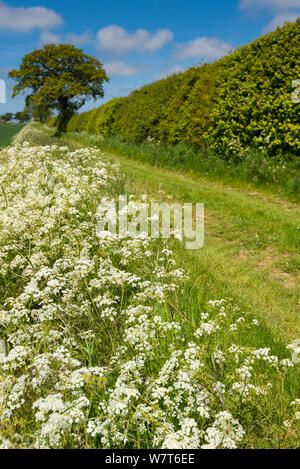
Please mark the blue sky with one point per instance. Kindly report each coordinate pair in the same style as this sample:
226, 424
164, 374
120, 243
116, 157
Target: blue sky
137, 41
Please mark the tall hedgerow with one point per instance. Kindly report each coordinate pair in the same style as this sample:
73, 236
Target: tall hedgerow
106, 116
255, 106
91, 121
170, 130
139, 116
189, 112
79, 122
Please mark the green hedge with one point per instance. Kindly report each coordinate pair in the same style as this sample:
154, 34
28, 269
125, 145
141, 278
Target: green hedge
241, 101
255, 106
106, 115
140, 114
188, 114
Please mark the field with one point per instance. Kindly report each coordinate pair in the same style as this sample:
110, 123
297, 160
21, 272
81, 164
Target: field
7, 132
100, 349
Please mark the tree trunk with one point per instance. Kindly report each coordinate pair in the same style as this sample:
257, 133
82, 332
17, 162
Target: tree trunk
64, 116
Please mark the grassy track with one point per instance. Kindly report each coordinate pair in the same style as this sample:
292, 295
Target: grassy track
252, 243
7, 132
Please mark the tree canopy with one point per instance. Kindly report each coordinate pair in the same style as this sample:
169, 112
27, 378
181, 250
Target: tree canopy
59, 77
23, 116
7, 117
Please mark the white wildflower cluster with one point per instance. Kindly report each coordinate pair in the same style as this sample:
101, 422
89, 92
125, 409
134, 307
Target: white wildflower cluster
92, 354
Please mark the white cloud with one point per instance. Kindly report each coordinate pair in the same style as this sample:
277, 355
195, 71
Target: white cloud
170, 71
26, 19
279, 21
275, 4
285, 10
4, 71
116, 39
117, 67
47, 37
78, 39
203, 48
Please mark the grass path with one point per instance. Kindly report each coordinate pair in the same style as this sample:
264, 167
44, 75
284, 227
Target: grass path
252, 243
251, 247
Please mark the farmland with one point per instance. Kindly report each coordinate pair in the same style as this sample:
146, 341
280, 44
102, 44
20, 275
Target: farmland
7, 132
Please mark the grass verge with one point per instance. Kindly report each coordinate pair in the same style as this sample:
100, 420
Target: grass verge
252, 240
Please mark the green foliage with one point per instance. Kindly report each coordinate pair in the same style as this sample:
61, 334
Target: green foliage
255, 106
242, 101
90, 124
23, 116
52, 121
139, 115
105, 116
171, 129
187, 116
7, 117
254, 170
78, 122
60, 78
39, 111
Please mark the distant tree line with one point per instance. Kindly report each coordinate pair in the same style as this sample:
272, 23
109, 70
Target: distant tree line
22, 117
30, 112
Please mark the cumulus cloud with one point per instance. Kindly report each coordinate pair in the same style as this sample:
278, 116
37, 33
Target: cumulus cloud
117, 67
203, 48
279, 21
168, 72
117, 40
26, 19
78, 39
285, 10
47, 37
275, 4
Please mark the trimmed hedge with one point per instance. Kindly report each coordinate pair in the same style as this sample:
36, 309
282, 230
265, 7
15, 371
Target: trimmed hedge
255, 106
241, 101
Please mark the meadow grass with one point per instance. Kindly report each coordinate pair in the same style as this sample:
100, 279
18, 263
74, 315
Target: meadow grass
252, 239
252, 169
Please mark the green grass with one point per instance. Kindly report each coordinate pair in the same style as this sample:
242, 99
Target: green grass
7, 132
250, 238
240, 230
251, 171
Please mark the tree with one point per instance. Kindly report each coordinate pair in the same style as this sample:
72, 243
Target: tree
7, 117
23, 116
59, 77
39, 110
